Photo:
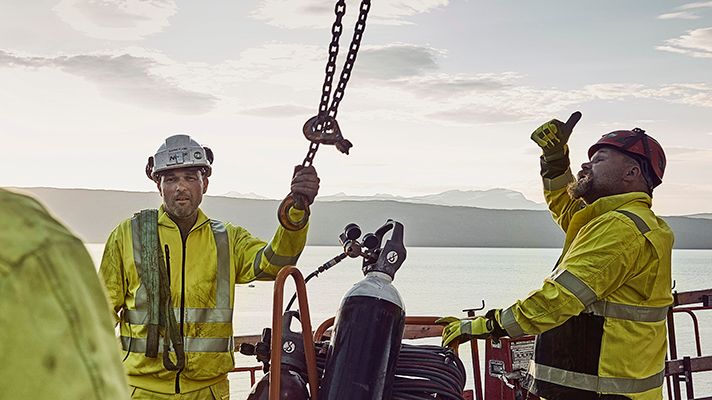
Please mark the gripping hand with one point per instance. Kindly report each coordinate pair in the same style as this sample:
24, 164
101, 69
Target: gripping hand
305, 186
553, 136
459, 331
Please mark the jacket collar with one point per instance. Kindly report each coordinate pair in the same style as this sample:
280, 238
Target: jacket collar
165, 220
602, 206
610, 203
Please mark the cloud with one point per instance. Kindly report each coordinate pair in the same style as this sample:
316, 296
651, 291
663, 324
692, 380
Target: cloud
701, 4
512, 103
679, 15
613, 91
396, 82
396, 61
292, 14
414, 67
690, 94
123, 77
400, 81
695, 43
476, 115
497, 98
271, 63
447, 85
117, 19
684, 14
694, 94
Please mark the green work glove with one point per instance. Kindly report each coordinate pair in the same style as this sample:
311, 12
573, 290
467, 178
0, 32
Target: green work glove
459, 331
553, 136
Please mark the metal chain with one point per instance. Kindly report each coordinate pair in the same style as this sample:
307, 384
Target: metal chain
336, 29
309, 159
350, 58
317, 129
326, 110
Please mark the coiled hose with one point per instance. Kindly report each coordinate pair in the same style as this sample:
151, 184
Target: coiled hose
422, 372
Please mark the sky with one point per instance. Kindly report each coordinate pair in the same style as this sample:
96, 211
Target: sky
444, 94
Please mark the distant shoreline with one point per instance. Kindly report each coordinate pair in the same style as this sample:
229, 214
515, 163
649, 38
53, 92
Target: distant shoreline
93, 214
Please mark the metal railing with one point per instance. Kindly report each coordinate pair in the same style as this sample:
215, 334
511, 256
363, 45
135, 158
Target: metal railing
680, 370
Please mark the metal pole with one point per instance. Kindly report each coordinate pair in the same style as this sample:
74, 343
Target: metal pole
277, 328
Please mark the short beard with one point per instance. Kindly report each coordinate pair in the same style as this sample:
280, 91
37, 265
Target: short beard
182, 214
579, 188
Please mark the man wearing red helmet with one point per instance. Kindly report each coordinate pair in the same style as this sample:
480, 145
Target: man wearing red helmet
600, 316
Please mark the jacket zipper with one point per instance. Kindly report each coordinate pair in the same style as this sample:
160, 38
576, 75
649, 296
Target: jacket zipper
182, 306
182, 297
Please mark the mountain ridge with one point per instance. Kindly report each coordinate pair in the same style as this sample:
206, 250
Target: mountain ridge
497, 198
93, 213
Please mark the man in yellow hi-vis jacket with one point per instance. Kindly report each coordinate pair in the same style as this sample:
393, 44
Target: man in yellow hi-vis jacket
600, 316
170, 274
56, 336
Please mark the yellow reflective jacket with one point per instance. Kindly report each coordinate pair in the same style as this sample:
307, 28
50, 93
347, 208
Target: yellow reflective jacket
601, 315
203, 272
56, 336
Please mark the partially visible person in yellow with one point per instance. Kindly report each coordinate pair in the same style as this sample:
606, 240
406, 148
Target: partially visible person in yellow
57, 339
600, 316
171, 272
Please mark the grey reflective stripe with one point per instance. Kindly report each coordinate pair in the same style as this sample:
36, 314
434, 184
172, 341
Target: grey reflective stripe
192, 344
510, 324
278, 260
141, 296
628, 312
594, 383
193, 315
259, 273
223, 315
272, 258
642, 226
222, 286
576, 286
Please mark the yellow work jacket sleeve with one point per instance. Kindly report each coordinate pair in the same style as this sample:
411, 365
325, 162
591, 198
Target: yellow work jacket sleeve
111, 271
254, 259
600, 259
561, 206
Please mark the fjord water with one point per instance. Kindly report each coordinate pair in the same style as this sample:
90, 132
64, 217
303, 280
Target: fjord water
444, 281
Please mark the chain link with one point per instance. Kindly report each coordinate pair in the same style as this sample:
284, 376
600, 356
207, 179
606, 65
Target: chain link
350, 57
328, 112
309, 159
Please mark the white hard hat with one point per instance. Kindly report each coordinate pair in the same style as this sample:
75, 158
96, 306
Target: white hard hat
179, 151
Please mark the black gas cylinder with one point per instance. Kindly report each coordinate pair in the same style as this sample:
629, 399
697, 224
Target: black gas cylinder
362, 355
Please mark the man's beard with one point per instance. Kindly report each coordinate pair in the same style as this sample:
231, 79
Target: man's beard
579, 188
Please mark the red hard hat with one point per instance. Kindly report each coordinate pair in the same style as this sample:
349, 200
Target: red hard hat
641, 147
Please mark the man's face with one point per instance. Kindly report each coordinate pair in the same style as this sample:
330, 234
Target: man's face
182, 191
601, 176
